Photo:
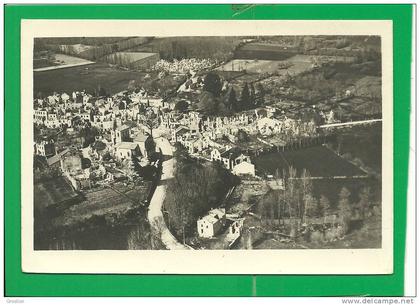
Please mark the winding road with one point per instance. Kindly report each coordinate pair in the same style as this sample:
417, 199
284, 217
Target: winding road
155, 215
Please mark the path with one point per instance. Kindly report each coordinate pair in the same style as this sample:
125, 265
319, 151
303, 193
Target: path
63, 66
155, 215
350, 123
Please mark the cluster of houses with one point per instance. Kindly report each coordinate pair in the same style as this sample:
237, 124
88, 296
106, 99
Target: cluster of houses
184, 65
103, 161
215, 138
57, 111
122, 139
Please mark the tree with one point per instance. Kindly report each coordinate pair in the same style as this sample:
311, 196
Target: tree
88, 134
267, 206
150, 146
292, 192
242, 136
101, 91
307, 191
222, 110
344, 208
150, 119
230, 99
252, 96
212, 84
245, 97
325, 205
310, 206
132, 85
207, 103
131, 168
260, 94
181, 106
195, 189
365, 201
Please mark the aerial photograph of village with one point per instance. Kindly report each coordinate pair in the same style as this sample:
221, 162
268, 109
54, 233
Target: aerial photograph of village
207, 142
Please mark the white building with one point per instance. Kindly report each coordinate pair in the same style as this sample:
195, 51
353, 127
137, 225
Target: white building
211, 224
244, 168
126, 150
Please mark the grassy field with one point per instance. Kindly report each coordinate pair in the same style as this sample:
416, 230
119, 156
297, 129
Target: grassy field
318, 160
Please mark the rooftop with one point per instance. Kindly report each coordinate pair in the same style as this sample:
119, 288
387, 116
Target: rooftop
140, 137
127, 145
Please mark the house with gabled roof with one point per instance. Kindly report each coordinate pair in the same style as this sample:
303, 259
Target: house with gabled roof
127, 150
211, 224
179, 133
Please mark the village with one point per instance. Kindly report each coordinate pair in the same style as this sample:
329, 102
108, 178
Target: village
123, 143
250, 144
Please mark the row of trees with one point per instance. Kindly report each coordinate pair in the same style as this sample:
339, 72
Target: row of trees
298, 201
215, 100
217, 48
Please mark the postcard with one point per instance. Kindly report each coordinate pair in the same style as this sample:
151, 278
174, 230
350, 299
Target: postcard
207, 146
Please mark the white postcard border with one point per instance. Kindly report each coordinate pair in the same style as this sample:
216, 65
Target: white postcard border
310, 261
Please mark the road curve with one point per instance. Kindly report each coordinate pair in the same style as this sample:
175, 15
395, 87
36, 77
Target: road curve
155, 215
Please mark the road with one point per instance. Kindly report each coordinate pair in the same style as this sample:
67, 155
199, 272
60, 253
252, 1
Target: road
350, 123
155, 215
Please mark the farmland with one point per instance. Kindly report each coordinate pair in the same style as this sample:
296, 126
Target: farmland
169, 48
53, 191
71, 79
96, 205
293, 65
94, 223
92, 48
363, 143
64, 61
322, 162
264, 51
112, 79
318, 160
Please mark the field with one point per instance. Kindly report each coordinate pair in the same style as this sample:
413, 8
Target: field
318, 160
264, 51
363, 143
52, 192
88, 78
105, 219
321, 162
105, 201
169, 48
64, 61
252, 66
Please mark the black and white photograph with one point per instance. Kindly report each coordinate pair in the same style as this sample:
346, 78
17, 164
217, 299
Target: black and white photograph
207, 142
